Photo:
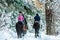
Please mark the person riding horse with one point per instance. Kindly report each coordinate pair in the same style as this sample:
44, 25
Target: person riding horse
36, 25
20, 25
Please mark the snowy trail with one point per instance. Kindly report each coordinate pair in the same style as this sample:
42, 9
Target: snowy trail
8, 34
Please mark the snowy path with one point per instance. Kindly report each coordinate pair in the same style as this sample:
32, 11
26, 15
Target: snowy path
8, 34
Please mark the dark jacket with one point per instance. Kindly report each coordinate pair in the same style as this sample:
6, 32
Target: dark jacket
24, 19
37, 18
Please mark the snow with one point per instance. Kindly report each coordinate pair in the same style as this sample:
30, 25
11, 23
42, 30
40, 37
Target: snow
8, 34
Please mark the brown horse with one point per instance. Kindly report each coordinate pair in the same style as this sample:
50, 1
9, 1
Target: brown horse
20, 29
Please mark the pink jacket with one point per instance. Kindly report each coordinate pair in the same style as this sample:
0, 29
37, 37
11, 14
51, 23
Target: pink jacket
20, 18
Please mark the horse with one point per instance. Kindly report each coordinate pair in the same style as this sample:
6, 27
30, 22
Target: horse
36, 26
20, 29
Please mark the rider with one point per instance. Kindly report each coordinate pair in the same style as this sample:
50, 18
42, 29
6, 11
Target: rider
37, 18
20, 17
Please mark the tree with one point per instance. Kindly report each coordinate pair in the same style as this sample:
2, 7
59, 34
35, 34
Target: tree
50, 30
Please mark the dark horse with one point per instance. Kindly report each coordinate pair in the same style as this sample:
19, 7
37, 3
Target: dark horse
20, 29
36, 26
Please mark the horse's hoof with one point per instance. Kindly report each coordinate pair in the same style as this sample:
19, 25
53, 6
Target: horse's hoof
38, 35
35, 36
23, 35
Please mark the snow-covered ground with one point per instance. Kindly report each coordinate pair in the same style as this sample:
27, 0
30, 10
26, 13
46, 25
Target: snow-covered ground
8, 34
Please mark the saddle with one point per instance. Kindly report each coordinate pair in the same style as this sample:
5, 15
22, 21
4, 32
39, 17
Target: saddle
24, 28
36, 22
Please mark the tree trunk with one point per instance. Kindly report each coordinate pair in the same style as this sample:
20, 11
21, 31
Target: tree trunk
50, 30
48, 21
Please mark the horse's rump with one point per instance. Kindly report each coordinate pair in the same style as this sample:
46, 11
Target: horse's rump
36, 25
19, 26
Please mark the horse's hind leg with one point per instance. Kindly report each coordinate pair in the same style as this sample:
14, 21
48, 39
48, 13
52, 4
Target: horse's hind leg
18, 35
24, 32
36, 33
